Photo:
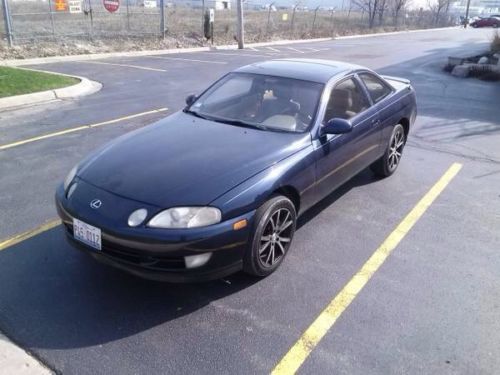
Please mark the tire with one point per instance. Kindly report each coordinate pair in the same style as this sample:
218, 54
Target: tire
495, 25
271, 239
387, 164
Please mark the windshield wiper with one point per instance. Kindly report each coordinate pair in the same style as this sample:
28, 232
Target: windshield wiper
194, 113
241, 123
227, 120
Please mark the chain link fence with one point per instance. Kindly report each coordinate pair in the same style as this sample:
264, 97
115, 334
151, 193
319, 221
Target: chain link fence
79, 21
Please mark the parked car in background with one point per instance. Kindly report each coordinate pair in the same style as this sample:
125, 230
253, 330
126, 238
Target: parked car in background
486, 22
218, 186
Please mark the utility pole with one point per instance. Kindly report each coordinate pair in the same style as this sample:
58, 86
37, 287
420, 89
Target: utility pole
203, 17
162, 18
241, 31
466, 20
8, 26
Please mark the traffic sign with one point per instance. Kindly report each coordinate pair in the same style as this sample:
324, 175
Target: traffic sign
61, 6
111, 5
75, 6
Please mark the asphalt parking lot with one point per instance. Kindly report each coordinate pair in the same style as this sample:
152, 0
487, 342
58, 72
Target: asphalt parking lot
431, 307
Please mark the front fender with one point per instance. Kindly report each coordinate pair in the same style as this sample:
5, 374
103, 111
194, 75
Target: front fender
296, 172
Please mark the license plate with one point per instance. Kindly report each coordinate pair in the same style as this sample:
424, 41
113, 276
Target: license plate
87, 234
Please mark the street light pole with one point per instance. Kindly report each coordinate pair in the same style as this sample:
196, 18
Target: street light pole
241, 31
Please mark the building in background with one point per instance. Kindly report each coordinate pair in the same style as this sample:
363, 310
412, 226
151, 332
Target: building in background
477, 7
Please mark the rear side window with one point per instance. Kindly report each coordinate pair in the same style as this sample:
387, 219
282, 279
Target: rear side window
377, 89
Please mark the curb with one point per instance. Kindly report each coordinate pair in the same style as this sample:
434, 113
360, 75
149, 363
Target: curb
83, 88
96, 56
15, 360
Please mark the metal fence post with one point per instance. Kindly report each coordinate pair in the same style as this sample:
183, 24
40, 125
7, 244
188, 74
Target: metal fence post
128, 17
331, 21
269, 17
8, 25
293, 16
314, 19
52, 19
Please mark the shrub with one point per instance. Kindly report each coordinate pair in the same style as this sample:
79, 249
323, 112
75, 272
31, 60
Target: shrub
495, 42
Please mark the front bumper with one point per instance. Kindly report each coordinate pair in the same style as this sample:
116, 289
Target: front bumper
152, 253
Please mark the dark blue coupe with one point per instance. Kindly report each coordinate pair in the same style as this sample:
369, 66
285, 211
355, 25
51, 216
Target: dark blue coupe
218, 186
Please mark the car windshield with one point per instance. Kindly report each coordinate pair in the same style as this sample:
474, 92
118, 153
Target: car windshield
260, 101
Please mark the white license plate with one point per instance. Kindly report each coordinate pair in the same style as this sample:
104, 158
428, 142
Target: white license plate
87, 234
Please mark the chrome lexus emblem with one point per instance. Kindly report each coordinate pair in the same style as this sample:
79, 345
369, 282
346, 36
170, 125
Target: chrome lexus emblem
96, 203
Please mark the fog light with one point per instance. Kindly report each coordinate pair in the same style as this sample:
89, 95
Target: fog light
137, 217
194, 261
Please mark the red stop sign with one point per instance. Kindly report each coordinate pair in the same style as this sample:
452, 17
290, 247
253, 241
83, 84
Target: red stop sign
111, 5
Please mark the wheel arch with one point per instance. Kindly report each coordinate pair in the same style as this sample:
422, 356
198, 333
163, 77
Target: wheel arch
291, 193
406, 126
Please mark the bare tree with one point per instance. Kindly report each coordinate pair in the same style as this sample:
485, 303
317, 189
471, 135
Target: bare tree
397, 7
383, 5
369, 6
437, 8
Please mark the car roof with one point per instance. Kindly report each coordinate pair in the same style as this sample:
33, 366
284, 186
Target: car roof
315, 70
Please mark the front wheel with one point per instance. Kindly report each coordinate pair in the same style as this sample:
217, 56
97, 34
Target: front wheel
274, 227
387, 164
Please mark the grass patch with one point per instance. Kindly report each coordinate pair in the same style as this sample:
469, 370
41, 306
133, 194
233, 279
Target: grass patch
15, 81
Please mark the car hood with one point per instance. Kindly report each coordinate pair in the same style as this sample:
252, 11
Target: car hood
185, 160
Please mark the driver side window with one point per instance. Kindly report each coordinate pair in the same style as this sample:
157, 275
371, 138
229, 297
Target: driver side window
346, 100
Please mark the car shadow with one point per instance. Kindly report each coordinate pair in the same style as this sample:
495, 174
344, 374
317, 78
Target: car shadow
54, 297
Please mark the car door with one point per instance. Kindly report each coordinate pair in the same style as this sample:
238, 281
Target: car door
341, 156
380, 93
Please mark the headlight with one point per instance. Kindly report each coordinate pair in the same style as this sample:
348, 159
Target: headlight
186, 217
71, 175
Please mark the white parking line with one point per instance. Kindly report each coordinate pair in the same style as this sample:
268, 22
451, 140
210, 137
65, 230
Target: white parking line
124, 65
182, 59
312, 49
295, 49
242, 54
253, 49
273, 49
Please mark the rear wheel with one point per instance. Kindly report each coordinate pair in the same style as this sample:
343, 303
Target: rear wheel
274, 227
387, 164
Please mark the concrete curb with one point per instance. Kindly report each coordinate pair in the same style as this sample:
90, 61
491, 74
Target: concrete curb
96, 56
14, 360
83, 88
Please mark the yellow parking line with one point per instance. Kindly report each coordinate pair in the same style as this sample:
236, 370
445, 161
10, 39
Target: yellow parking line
124, 65
299, 352
29, 233
78, 128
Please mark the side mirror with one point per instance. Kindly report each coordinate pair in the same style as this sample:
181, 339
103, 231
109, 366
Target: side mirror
337, 126
190, 99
